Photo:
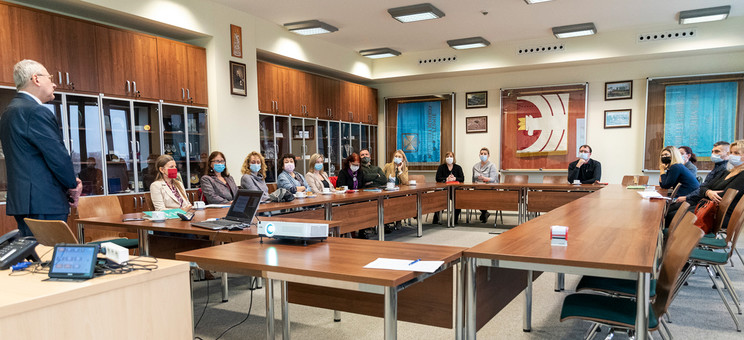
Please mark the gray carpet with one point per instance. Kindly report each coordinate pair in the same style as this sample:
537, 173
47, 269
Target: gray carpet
697, 312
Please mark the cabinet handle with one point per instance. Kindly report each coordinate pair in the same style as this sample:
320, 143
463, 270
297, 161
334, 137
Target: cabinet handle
129, 87
135, 203
68, 77
142, 202
183, 94
138, 147
59, 73
135, 88
188, 94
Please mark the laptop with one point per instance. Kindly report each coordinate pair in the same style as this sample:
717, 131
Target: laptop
241, 212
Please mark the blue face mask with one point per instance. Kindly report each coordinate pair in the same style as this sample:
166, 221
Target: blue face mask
483, 158
584, 155
255, 168
716, 158
219, 168
318, 166
735, 160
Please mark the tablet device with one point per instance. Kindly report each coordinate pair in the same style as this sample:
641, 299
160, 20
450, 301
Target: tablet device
73, 261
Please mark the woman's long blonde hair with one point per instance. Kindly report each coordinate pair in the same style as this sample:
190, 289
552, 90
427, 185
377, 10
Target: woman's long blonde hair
403, 155
246, 169
313, 160
676, 156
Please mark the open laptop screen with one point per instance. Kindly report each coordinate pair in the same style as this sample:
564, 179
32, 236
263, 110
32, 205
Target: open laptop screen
245, 205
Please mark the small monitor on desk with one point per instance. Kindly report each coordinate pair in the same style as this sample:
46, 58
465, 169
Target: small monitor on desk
73, 261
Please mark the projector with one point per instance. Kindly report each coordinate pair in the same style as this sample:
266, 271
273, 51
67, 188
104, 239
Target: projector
293, 230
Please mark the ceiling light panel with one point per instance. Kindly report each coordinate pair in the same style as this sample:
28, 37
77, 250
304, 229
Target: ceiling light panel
571, 31
310, 27
704, 15
377, 53
467, 43
535, 1
413, 13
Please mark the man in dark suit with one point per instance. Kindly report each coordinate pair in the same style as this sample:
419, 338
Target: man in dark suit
40, 171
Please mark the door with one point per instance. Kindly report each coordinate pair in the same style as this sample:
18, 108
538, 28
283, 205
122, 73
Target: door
174, 138
197, 72
113, 50
147, 142
33, 37
77, 60
268, 146
334, 148
298, 144
144, 72
9, 56
86, 144
198, 143
172, 68
117, 137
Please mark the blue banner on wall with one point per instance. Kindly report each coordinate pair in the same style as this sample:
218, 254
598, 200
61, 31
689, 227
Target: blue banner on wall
419, 131
699, 115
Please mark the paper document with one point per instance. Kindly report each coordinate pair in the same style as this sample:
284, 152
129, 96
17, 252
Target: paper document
649, 194
217, 206
409, 265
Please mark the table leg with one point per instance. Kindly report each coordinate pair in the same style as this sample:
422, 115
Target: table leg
144, 242
224, 287
449, 207
380, 220
81, 233
336, 316
560, 280
269, 309
285, 311
469, 272
420, 227
642, 298
459, 297
528, 304
391, 313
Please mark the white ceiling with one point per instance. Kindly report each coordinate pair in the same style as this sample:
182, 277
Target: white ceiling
366, 24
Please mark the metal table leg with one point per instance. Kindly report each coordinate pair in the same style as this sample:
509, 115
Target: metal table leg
528, 304
642, 298
285, 311
336, 316
560, 280
420, 227
81, 233
224, 287
470, 269
380, 220
391, 313
459, 297
450, 208
270, 309
144, 242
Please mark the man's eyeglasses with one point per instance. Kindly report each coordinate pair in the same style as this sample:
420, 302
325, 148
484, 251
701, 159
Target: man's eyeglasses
51, 76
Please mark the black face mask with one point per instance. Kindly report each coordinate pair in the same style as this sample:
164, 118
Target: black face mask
666, 160
365, 160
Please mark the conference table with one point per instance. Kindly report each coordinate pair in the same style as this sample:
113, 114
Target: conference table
612, 233
337, 264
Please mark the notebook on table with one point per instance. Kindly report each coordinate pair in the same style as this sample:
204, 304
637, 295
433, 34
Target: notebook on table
241, 213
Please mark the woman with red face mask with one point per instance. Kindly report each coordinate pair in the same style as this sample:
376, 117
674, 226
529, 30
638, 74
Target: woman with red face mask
167, 192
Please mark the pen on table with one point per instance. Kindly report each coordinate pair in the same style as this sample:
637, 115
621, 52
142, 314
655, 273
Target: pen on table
412, 263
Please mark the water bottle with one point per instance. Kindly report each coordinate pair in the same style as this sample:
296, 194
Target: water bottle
391, 182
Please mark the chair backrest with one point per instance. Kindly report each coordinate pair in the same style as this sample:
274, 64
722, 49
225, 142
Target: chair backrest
555, 179
272, 186
673, 194
417, 178
634, 180
94, 206
723, 207
735, 225
678, 217
50, 232
516, 179
685, 237
148, 202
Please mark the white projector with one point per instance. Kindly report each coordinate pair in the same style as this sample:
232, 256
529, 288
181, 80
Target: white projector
293, 230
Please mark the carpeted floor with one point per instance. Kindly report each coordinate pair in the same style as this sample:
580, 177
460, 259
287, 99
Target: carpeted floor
697, 312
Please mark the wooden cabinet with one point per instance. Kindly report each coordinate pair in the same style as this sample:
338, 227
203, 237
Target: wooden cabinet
327, 98
31, 37
368, 105
272, 87
183, 72
127, 62
75, 58
8, 56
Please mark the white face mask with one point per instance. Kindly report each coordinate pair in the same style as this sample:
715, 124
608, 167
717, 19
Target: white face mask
735, 160
584, 155
450, 160
354, 168
398, 160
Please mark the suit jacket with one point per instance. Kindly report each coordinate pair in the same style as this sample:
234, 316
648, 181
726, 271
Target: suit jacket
315, 181
163, 198
216, 192
39, 167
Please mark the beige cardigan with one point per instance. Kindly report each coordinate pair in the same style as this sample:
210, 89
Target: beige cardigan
163, 198
315, 181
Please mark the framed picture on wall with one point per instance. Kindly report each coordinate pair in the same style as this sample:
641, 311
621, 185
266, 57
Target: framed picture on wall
236, 41
617, 118
476, 100
619, 90
237, 79
476, 124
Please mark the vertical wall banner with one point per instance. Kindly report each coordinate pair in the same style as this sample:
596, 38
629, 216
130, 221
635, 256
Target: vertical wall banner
540, 126
236, 41
419, 131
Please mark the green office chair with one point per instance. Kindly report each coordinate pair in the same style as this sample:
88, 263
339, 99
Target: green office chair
621, 312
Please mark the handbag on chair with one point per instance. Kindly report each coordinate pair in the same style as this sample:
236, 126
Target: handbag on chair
705, 211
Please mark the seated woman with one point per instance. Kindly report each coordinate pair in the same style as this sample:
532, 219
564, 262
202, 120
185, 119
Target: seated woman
316, 178
254, 174
690, 159
673, 171
167, 192
289, 178
350, 174
217, 186
398, 168
731, 179
449, 171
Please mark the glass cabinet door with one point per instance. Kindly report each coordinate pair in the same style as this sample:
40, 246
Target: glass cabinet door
198, 147
86, 145
323, 143
355, 138
118, 133
334, 149
147, 142
346, 148
311, 141
373, 144
268, 147
282, 135
298, 144
174, 138
364, 138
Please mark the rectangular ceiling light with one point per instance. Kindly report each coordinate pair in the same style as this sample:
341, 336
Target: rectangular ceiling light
310, 27
466, 43
535, 1
413, 13
577, 30
704, 15
377, 53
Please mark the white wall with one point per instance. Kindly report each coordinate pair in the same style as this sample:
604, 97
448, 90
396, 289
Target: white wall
619, 150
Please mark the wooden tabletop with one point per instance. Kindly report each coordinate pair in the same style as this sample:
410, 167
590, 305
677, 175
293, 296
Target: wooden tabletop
533, 186
613, 228
336, 258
